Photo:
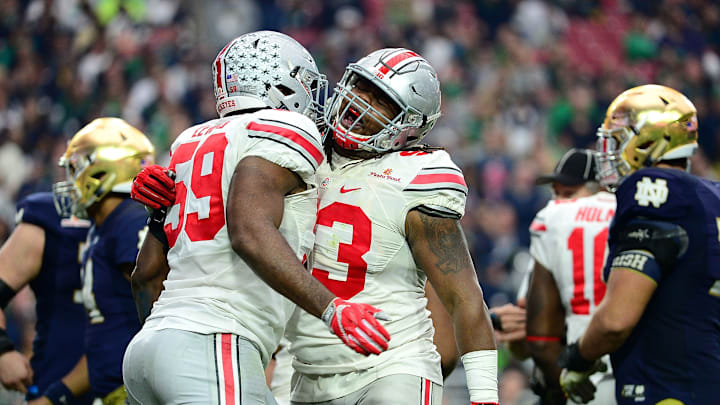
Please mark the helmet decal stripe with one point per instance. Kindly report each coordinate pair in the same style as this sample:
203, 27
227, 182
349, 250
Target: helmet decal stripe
219, 66
397, 59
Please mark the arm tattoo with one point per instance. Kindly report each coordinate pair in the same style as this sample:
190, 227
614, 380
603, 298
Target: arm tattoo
447, 243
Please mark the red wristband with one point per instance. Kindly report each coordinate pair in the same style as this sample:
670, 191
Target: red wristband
542, 338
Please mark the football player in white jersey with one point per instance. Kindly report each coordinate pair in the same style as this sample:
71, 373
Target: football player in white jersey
280, 371
239, 225
568, 246
388, 221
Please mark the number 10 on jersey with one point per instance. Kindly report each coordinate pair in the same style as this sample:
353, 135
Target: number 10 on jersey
576, 244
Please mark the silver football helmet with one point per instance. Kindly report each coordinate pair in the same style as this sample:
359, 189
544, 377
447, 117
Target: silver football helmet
268, 69
407, 79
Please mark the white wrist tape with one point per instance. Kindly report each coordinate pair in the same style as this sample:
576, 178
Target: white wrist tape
481, 372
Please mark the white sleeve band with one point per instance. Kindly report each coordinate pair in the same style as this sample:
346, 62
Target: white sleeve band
481, 372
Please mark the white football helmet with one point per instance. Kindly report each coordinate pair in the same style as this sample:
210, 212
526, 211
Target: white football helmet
267, 69
407, 79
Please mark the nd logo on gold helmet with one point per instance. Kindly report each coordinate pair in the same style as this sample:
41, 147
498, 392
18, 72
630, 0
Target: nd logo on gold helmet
103, 157
644, 126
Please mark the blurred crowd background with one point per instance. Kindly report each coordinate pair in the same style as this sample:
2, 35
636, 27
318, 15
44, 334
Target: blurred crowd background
522, 81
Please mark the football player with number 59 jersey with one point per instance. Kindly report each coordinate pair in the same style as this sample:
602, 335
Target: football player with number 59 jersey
660, 318
387, 221
201, 258
239, 227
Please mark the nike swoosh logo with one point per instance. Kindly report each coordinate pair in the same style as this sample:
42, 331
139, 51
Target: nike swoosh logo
347, 190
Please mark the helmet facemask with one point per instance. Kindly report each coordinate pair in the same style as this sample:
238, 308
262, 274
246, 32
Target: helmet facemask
66, 196
349, 114
81, 189
611, 167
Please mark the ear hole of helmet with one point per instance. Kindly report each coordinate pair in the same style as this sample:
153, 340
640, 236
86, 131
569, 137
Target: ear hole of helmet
645, 145
285, 90
98, 175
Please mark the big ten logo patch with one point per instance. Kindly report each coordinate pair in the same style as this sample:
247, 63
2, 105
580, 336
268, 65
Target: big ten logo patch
651, 192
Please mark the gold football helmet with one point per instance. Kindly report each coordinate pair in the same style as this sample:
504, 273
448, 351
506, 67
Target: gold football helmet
643, 126
103, 157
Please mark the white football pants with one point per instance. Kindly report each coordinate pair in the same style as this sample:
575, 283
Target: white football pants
173, 366
396, 389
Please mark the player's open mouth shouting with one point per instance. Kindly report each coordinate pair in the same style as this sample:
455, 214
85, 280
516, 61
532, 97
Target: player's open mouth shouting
352, 119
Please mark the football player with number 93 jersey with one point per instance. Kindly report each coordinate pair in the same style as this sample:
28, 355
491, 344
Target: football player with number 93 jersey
388, 221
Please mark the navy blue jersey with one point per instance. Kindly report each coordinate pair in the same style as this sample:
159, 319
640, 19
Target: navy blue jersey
107, 296
674, 350
61, 319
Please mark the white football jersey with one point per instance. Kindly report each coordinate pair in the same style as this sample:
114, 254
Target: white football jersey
569, 238
361, 254
282, 374
210, 289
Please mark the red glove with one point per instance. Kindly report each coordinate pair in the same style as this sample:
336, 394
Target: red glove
154, 186
357, 326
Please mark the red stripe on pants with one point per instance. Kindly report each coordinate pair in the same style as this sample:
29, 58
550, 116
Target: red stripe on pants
228, 374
